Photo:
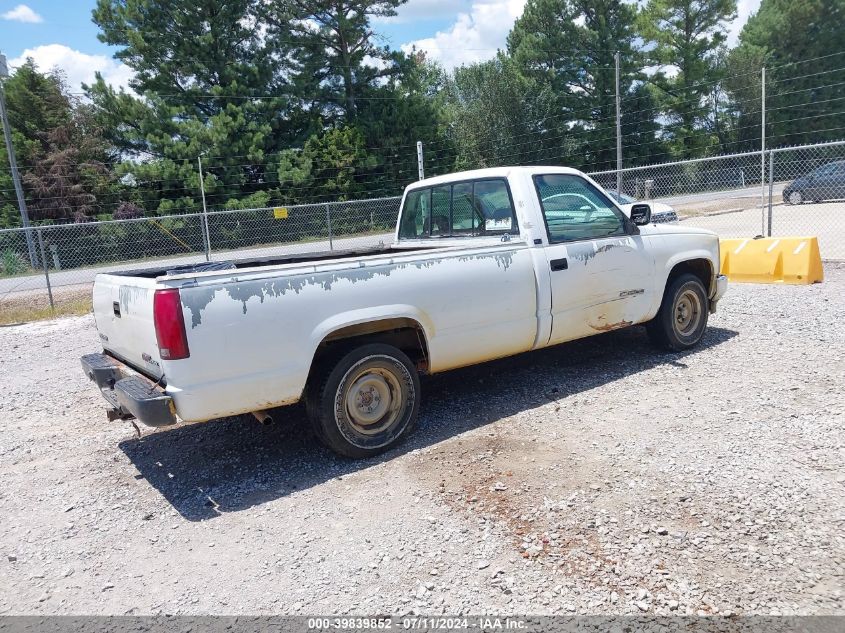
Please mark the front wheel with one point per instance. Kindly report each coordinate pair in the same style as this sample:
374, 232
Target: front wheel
794, 197
366, 402
682, 318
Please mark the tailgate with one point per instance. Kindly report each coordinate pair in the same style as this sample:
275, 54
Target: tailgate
123, 309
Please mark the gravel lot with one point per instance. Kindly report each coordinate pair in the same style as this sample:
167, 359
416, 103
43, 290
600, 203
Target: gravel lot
598, 477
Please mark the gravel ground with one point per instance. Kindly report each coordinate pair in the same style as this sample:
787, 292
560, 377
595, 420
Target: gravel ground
598, 477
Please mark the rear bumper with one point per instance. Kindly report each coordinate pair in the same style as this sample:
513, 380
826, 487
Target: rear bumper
130, 394
721, 288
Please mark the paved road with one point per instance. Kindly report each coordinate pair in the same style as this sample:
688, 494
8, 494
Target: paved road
752, 194
826, 220
84, 276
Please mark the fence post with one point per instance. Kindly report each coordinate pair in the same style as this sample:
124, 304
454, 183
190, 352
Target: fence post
771, 188
206, 237
420, 166
46, 271
329, 225
618, 131
762, 140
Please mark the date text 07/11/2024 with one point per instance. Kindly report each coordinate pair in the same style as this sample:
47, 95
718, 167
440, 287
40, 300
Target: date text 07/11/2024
417, 623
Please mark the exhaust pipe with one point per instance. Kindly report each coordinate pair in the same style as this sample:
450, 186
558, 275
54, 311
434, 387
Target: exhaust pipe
263, 417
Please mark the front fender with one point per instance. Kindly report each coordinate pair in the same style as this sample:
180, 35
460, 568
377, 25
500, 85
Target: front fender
677, 248
703, 253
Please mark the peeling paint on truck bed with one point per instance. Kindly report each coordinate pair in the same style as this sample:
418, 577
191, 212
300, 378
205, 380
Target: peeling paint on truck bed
196, 299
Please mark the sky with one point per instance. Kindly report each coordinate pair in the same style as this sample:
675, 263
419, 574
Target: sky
59, 33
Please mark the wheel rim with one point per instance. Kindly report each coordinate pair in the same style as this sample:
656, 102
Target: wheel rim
373, 400
687, 312
795, 197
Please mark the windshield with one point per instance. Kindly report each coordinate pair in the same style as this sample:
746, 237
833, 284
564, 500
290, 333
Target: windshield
829, 169
621, 198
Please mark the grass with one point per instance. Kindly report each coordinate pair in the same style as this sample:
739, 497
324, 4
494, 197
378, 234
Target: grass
31, 308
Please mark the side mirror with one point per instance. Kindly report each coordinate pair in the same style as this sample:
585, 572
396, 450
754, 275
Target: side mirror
641, 214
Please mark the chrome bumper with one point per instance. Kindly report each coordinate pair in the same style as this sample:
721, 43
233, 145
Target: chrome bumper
721, 287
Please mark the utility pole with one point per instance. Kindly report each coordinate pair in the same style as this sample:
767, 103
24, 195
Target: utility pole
13, 165
763, 152
618, 132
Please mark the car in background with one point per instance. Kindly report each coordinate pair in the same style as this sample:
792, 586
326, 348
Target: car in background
823, 183
661, 213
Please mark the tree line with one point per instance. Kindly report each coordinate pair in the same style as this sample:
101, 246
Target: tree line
295, 101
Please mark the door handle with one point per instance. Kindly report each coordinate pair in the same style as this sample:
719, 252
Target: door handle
558, 264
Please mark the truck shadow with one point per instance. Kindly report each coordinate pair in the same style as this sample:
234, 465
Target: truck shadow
232, 464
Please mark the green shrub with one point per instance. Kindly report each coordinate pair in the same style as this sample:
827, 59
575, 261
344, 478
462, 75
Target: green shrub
12, 263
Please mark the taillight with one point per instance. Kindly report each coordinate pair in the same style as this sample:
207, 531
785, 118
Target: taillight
170, 325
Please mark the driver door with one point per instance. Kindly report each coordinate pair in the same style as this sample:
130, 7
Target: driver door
600, 267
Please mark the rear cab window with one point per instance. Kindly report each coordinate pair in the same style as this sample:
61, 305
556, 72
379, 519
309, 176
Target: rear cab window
461, 209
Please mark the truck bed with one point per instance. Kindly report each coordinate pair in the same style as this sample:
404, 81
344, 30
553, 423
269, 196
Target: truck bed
257, 262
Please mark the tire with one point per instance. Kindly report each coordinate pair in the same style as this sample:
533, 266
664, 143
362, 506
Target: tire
682, 318
794, 197
364, 402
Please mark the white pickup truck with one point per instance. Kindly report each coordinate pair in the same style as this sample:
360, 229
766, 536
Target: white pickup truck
485, 264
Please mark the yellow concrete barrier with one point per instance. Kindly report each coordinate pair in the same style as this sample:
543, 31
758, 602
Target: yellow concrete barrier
787, 260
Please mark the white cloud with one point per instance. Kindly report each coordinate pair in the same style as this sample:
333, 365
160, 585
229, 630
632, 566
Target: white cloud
78, 67
22, 13
744, 9
474, 36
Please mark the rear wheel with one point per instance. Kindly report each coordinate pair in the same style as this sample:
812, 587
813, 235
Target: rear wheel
366, 401
682, 318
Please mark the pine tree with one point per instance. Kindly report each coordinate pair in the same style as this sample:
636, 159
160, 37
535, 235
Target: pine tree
332, 43
686, 34
571, 45
211, 86
800, 44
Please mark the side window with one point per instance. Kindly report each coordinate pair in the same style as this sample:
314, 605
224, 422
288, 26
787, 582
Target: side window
415, 214
464, 220
463, 209
494, 204
575, 210
440, 201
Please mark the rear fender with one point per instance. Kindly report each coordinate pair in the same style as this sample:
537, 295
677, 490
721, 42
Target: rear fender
372, 314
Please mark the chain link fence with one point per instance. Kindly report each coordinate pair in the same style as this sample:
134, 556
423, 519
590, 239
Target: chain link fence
57, 272
779, 192
787, 191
